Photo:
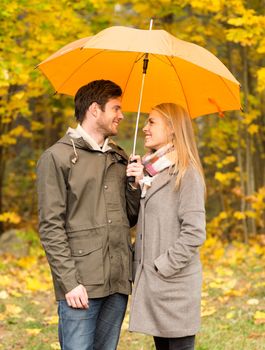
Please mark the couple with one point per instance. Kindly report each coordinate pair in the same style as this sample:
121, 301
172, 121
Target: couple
86, 208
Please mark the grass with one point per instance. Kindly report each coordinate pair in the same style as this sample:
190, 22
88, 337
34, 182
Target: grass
233, 305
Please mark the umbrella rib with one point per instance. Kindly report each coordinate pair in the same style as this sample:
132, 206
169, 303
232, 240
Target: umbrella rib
127, 81
180, 84
81, 65
223, 80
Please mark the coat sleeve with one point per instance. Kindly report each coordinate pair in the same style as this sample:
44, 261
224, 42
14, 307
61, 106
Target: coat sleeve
191, 216
52, 199
133, 197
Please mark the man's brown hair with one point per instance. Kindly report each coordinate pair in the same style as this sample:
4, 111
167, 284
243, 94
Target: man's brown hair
99, 91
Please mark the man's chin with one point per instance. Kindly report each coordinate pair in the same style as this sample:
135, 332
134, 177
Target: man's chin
113, 132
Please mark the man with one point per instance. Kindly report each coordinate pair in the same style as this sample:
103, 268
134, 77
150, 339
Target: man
86, 209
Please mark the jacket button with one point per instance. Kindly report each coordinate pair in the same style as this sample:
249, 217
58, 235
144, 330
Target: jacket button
109, 221
105, 186
80, 251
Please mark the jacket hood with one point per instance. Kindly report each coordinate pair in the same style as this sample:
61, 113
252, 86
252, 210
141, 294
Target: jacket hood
80, 143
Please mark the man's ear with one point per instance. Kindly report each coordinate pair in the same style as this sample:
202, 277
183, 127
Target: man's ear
93, 109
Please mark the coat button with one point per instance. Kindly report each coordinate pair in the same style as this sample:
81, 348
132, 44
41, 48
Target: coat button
80, 251
109, 221
105, 186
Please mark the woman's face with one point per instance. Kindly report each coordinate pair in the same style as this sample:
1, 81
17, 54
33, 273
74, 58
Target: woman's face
156, 130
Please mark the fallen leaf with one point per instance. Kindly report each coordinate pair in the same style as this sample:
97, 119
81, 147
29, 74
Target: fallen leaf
51, 319
253, 302
13, 310
3, 294
208, 312
33, 331
259, 315
230, 315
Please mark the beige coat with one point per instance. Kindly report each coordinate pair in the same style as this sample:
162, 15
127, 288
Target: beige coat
171, 227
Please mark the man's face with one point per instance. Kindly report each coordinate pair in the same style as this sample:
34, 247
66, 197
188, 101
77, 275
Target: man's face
108, 120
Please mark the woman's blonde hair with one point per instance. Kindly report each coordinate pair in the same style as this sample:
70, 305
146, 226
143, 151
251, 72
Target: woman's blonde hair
185, 149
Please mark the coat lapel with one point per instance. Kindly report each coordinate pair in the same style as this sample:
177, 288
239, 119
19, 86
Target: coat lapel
160, 181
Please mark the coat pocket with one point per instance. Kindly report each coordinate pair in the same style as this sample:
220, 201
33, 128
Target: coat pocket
88, 257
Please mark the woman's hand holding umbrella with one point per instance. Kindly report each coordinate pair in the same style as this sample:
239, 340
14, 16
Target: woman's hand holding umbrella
135, 169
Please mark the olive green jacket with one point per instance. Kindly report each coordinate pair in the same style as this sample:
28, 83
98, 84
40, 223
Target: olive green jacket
86, 209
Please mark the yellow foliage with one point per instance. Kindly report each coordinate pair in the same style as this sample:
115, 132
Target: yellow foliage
226, 178
259, 315
261, 78
3, 294
51, 319
20, 131
27, 261
5, 281
13, 310
253, 302
34, 284
239, 215
250, 117
230, 315
253, 129
224, 272
208, 312
10, 217
206, 5
33, 331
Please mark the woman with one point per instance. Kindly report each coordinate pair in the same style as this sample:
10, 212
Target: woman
171, 228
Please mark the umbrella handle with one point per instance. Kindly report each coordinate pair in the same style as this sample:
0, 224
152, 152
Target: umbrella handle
131, 179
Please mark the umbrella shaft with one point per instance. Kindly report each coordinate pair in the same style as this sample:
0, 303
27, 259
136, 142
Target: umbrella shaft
138, 115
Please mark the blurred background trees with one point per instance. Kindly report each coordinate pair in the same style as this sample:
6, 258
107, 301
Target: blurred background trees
232, 148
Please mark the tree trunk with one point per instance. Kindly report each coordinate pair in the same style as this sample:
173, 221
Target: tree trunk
240, 157
249, 142
2, 172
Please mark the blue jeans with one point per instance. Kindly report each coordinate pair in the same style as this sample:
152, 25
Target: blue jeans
95, 328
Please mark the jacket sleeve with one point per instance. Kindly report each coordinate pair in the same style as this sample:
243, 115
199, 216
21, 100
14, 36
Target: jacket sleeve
52, 199
133, 197
191, 216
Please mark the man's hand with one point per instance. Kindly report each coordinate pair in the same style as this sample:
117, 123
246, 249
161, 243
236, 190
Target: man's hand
77, 297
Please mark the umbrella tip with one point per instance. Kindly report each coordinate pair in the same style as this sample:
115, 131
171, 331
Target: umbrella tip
151, 24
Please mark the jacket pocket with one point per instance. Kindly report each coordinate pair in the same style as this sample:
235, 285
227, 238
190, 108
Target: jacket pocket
88, 257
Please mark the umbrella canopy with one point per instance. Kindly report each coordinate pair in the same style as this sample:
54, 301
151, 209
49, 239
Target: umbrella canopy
178, 71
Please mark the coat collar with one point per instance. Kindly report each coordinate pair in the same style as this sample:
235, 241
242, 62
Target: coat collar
161, 180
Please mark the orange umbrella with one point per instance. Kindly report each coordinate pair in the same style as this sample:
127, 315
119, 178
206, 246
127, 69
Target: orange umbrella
178, 71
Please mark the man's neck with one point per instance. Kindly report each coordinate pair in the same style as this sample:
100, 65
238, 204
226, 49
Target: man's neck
97, 136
